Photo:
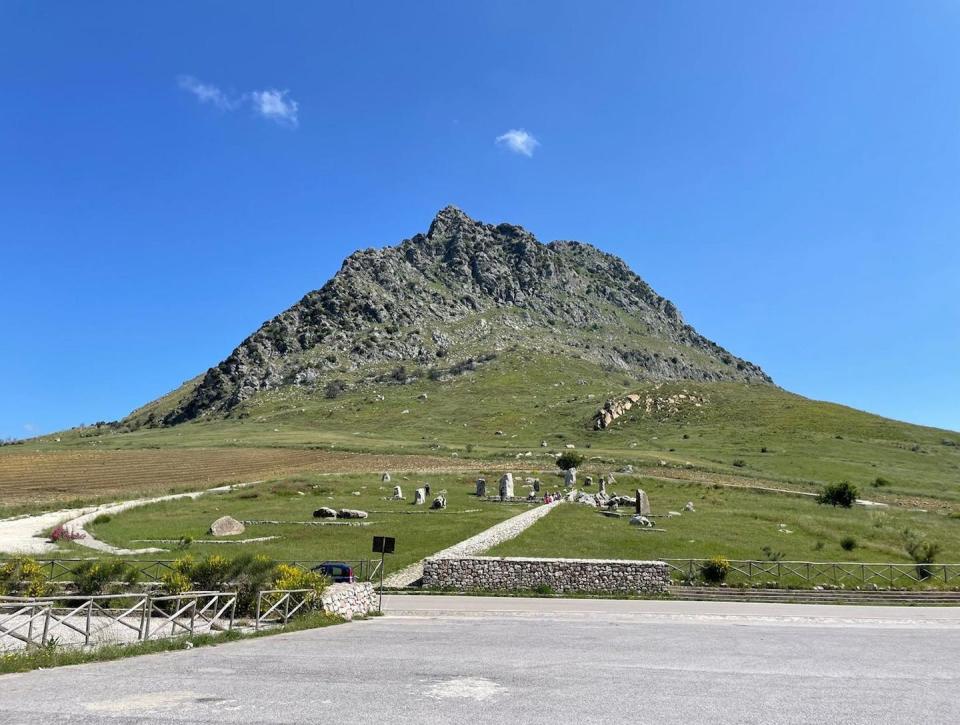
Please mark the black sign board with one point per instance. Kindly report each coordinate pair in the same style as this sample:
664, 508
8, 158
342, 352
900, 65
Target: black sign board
383, 544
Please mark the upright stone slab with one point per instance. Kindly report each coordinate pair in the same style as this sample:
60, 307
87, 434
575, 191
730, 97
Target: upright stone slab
570, 477
426, 488
419, 497
588, 480
643, 503
536, 485
482, 487
602, 486
506, 485
385, 478
397, 492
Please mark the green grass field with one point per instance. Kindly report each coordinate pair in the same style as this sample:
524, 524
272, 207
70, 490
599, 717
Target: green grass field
495, 418
737, 524
419, 531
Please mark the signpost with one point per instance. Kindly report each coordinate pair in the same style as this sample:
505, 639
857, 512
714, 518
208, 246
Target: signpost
383, 545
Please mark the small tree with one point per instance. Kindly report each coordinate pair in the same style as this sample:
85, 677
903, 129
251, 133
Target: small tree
568, 460
839, 494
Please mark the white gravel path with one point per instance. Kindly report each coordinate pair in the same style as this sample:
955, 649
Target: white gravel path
477, 544
27, 534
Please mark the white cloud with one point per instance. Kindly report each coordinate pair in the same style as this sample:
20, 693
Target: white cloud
272, 104
30, 427
518, 141
207, 93
275, 105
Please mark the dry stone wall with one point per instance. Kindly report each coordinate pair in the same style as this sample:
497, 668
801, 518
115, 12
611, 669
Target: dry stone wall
349, 600
561, 575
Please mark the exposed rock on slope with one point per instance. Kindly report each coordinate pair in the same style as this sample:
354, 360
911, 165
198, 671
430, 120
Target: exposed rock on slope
459, 290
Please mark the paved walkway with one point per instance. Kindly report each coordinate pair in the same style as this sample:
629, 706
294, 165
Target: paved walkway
535, 661
504, 531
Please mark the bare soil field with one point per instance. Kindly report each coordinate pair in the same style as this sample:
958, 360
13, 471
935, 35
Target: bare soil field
33, 477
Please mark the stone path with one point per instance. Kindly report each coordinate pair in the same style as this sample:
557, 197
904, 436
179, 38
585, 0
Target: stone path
26, 534
504, 531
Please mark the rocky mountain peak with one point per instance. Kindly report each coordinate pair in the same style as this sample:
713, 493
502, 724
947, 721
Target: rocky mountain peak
463, 289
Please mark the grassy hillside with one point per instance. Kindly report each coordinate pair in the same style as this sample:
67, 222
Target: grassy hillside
752, 431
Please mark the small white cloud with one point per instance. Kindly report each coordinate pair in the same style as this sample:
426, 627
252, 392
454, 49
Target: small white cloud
207, 93
30, 427
518, 141
275, 105
272, 104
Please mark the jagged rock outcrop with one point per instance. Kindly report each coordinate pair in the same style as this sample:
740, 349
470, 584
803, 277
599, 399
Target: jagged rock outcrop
497, 284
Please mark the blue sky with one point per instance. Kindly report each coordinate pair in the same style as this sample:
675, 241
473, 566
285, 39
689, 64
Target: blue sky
173, 175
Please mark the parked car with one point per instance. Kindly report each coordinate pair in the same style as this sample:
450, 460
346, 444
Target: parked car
338, 571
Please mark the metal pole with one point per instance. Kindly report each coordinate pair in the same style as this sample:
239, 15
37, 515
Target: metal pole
380, 604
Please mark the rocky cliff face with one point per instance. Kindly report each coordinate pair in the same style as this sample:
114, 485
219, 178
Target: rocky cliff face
459, 290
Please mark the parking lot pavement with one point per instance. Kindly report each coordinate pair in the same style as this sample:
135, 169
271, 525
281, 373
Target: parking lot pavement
460, 659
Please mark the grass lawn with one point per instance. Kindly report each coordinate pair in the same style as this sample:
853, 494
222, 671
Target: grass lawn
737, 524
419, 531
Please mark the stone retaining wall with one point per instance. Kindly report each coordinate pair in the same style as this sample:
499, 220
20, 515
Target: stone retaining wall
349, 600
561, 575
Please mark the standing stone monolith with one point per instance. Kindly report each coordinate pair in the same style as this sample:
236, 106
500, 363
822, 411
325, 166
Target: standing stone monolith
588, 480
602, 486
643, 503
536, 485
570, 477
506, 485
397, 493
426, 487
482, 487
419, 497
385, 478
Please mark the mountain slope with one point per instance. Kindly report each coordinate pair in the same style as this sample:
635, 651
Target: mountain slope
462, 291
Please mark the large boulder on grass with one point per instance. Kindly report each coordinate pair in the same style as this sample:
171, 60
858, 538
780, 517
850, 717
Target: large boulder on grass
226, 526
351, 514
324, 513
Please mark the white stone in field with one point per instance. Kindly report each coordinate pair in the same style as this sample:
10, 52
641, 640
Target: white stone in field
226, 526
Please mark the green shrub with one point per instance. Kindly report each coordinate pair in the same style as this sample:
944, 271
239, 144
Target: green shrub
922, 552
848, 543
23, 576
838, 494
715, 569
880, 482
107, 576
739, 463
770, 555
568, 460
103, 519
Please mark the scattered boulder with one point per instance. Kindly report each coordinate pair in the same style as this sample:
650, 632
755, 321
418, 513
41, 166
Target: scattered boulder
226, 526
638, 520
689, 506
440, 502
543, 444
498, 433
627, 469
671, 514
324, 513
351, 514
588, 480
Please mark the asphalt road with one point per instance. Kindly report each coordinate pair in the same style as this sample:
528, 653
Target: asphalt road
474, 660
